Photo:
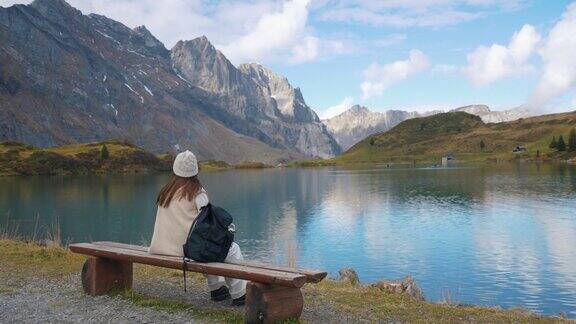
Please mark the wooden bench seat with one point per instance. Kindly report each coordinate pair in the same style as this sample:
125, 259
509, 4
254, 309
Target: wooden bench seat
273, 292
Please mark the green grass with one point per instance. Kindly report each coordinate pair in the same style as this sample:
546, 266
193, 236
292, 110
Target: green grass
20, 260
252, 165
426, 140
213, 165
124, 157
312, 163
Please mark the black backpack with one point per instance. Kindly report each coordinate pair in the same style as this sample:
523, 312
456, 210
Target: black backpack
210, 237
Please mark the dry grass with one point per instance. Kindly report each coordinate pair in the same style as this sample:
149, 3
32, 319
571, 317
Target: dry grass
372, 304
123, 157
428, 139
360, 303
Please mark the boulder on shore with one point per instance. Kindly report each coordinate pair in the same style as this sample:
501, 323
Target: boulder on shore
349, 275
405, 285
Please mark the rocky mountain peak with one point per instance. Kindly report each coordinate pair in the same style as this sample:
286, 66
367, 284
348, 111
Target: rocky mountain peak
202, 44
104, 80
205, 67
358, 122
150, 40
263, 74
357, 109
489, 116
50, 8
145, 37
289, 100
475, 109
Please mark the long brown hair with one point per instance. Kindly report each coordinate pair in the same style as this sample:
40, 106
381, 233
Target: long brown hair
190, 188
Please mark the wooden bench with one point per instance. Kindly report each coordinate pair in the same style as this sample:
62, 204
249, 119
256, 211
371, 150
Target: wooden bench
272, 294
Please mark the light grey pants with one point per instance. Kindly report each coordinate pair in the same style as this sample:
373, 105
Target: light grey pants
237, 287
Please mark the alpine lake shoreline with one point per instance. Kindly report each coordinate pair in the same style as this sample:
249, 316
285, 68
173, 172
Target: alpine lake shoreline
118, 156
24, 260
159, 292
106, 157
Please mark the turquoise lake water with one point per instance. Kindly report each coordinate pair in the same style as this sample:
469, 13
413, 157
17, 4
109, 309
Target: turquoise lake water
492, 235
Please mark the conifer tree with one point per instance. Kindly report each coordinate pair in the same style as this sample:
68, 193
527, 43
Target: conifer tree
553, 143
561, 145
104, 154
572, 140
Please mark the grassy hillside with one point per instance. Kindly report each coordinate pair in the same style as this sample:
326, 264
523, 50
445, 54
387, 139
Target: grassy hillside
123, 157
20, 159
428, 139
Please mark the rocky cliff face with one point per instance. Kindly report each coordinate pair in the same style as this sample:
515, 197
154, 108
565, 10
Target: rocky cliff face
253, 100
66, 77
359, 122
489, 116
289, 100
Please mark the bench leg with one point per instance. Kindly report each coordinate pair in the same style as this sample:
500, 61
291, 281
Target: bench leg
272, 304
100, 276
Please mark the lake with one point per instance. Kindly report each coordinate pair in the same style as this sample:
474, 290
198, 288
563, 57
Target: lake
491, 234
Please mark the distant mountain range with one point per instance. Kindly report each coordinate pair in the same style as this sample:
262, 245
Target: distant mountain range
465, 136
66, 77
357, 123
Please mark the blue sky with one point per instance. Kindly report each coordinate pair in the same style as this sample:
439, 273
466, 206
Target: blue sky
385, 54
328, 81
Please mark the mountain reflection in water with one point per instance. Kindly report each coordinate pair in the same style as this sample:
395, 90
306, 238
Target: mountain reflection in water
492, 234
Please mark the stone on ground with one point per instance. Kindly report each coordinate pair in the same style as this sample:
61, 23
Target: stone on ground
405, 285
349, 275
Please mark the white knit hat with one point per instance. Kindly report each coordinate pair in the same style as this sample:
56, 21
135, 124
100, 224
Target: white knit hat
185, 165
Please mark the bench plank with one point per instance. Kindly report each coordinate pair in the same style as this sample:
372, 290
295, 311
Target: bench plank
261, 275
312, 276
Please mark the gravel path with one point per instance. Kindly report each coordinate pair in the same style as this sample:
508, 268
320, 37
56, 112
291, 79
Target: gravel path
41, 300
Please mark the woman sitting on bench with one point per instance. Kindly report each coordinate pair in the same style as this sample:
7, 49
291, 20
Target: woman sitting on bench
179, 203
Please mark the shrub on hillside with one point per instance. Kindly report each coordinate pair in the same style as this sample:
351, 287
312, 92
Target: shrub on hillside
89, 159
572, 140
12, 144
104, 153
553, 144
561, 145
133, 160
44, 162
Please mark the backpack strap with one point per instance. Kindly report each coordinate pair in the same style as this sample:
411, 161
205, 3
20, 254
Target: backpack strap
184, 270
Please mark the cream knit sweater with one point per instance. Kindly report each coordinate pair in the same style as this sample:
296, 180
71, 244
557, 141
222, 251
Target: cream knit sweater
173, 224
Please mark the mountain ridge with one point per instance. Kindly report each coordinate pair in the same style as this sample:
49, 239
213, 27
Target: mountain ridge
359, 122
66, 77
470, 139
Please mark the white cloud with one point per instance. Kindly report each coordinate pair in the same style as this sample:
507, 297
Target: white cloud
409, 13
445, 69
377, 78
398, 20
250, 30
276, 33
337, 109
558, 54
488, 64
389, 40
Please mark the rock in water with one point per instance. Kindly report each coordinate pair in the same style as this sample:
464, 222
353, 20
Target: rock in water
349, 275
405, 285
